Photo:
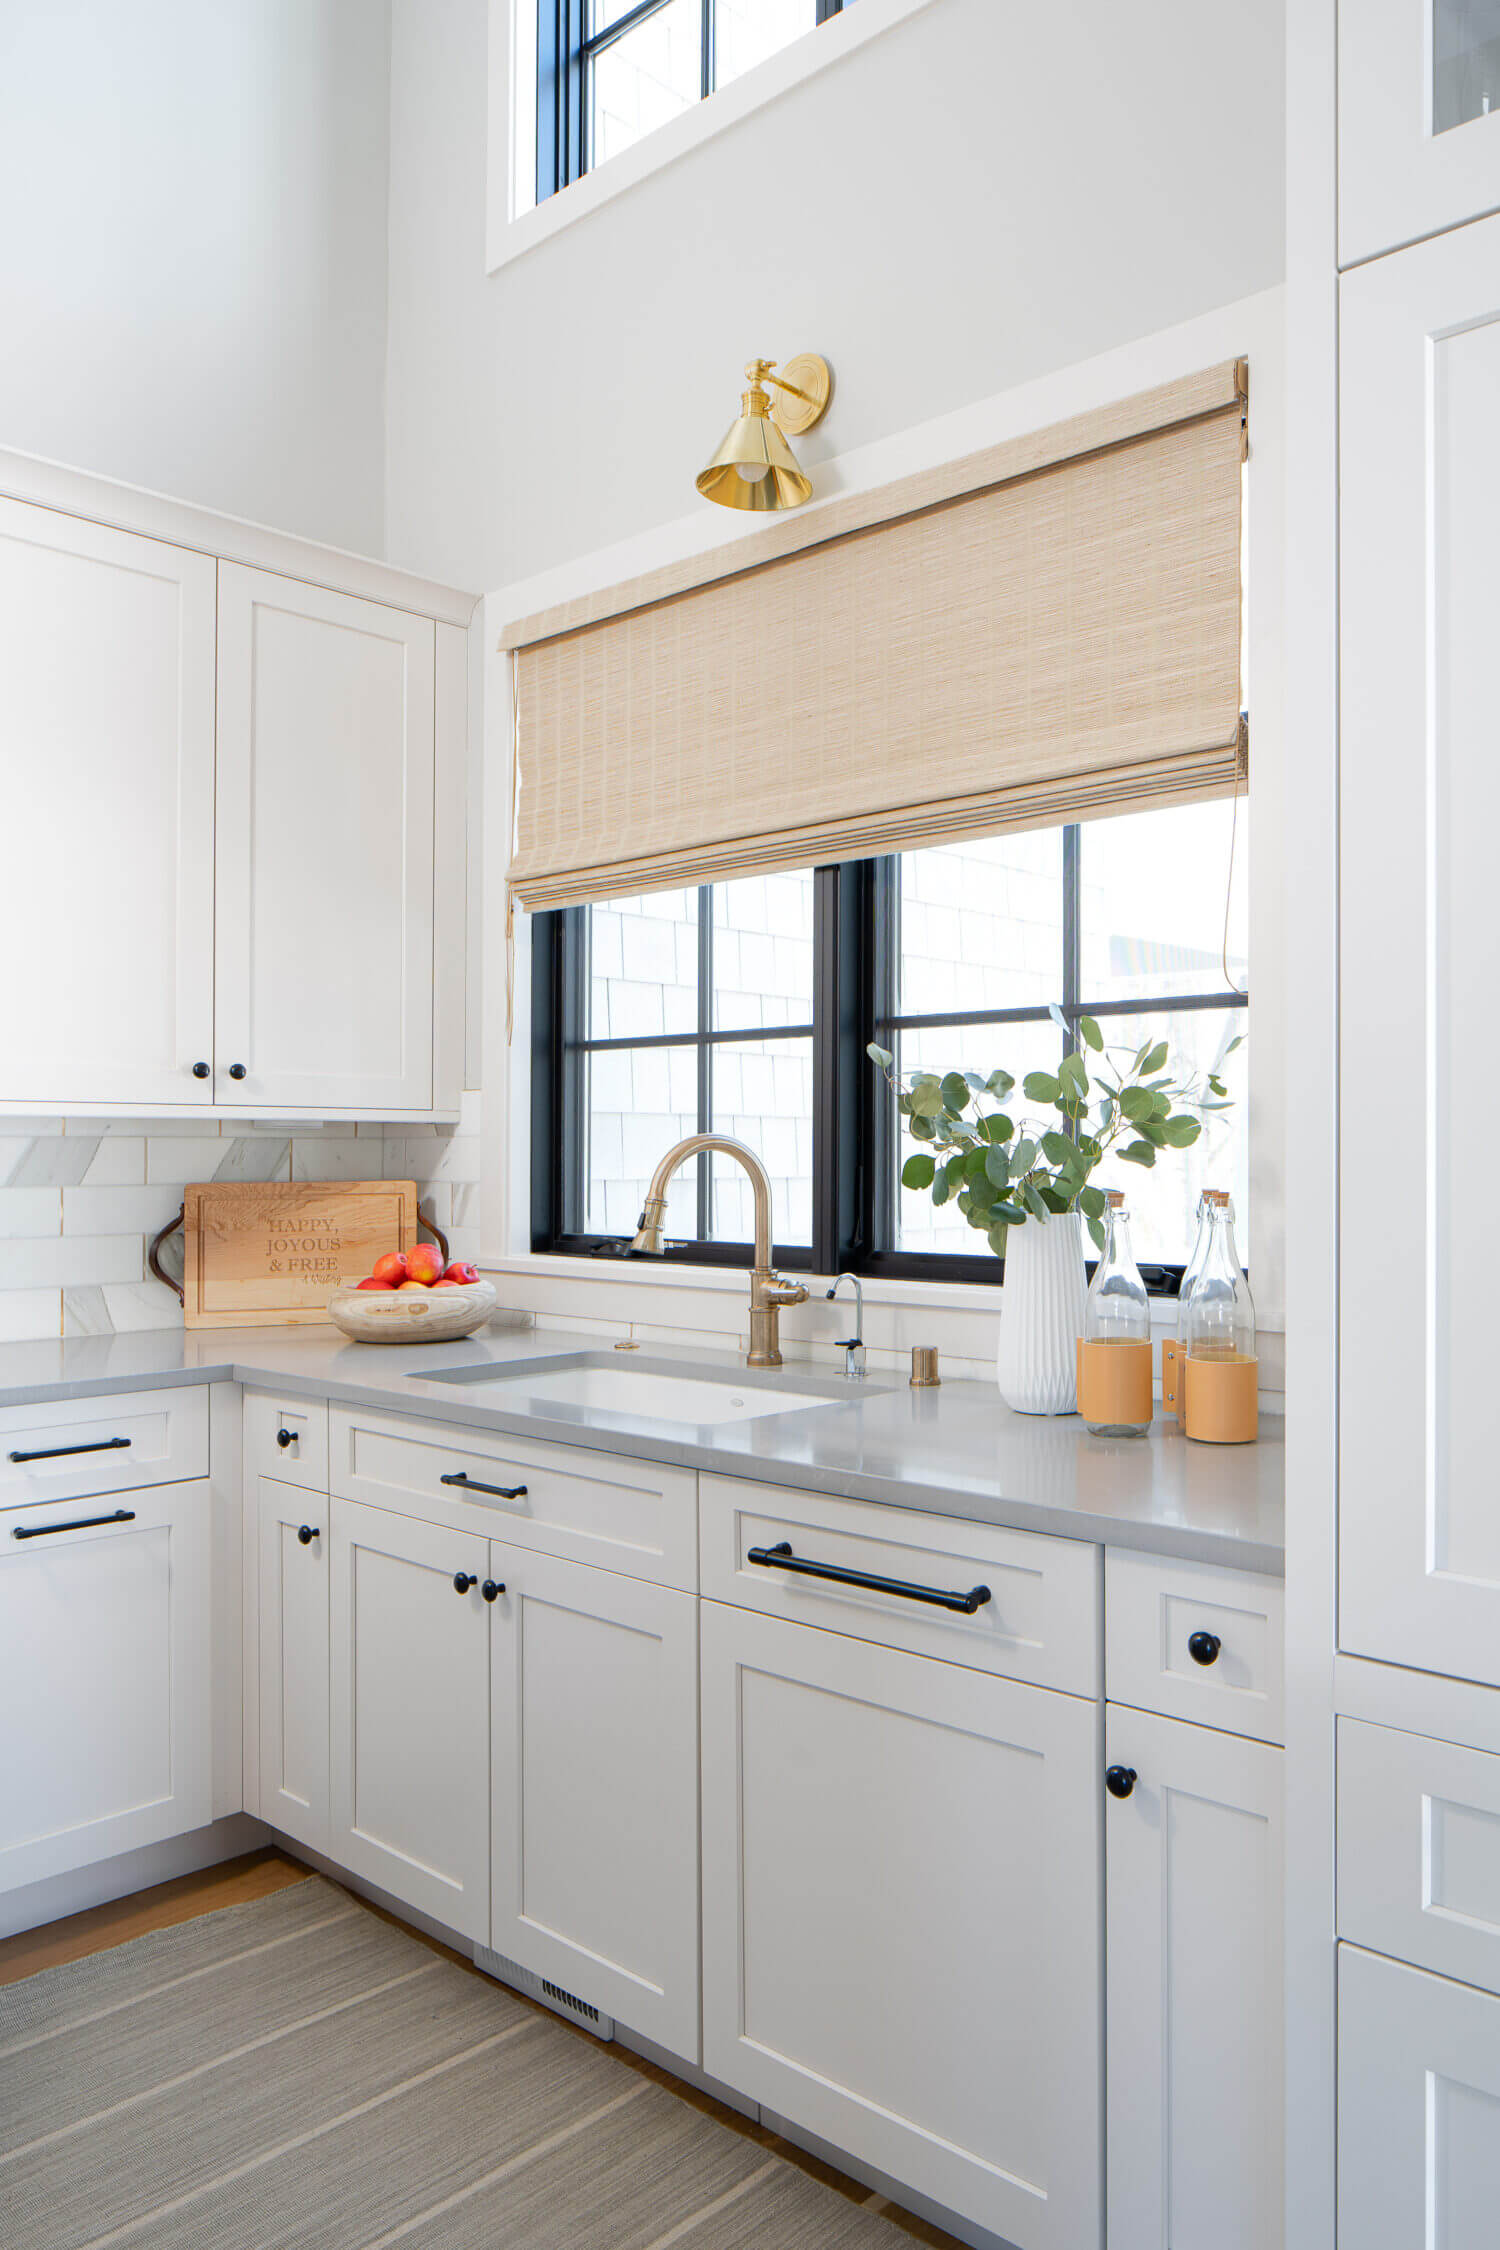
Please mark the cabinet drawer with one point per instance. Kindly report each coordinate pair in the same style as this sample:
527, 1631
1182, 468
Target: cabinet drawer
111, 1444
599, 1508
287, 1438
1040, 1624
1419, 1850
1193, 1642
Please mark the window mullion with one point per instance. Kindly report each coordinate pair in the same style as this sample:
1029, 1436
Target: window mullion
705, 1048
707, 53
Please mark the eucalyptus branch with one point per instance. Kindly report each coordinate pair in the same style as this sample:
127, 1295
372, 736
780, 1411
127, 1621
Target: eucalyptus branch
1002, 1170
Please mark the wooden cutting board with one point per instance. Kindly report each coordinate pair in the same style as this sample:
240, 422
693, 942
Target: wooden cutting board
259, 1253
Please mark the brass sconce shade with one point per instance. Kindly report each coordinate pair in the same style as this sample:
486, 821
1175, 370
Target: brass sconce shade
755, 467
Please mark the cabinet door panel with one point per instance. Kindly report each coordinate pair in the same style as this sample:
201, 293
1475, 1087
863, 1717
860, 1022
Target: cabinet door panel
1419, 1850
104, 1672
1193, 1885
901, 1916
1419, 120
594, 1854
1419, 1532
410, 1703
1419, 2108
323, 927
294, 1661
107, 727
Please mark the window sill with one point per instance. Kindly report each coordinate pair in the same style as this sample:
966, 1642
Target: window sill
510, 237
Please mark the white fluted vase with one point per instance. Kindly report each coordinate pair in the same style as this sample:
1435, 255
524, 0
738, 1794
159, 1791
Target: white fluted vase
1041, 1315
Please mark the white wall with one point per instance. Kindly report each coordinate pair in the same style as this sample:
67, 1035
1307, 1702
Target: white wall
193, 250
986, 192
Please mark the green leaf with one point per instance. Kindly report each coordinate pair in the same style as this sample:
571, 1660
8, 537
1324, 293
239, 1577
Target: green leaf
1096, 1229
1181, 1132
1013, 1214
974, 1163
926, 1097
1057, 1148
997, 1167
1237, 1041
1139, 1152
1040, 1086
1155, 1057
1135, 1102
881, 1055
1031, 1197
999, 1083
917, 1172
940, 1189
1092, 1035
955, 1093
995, 1128
1023, 1157
1072, 1072
922, 1129
955, 1172
1091, 1202
997, 1241
1053, 1197
1055, 1012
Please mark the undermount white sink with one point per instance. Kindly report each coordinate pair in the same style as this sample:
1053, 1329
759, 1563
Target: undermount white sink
650, 1391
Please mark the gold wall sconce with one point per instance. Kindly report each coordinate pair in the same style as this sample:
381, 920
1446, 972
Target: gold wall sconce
755, 467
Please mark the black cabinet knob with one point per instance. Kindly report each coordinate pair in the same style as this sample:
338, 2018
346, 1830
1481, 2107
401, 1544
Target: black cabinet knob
1120, 1780
284, 1438
307, 1533
200, 1070
236, 1070
463, 1580
492, 1588
1204, 1647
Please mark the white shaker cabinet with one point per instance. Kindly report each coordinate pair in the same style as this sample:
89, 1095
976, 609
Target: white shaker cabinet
1419, 119
1193, 1917
594, 1801
410, 1744
1419, 1528
1419, 2109
104, 1676
294, 1543
323, 951
107, 763
901, 1944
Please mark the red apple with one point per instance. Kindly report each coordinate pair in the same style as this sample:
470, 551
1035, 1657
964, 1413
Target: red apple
391, 1269
424, 1263
445, 1285
412, 1284
462, 1276
372, 1281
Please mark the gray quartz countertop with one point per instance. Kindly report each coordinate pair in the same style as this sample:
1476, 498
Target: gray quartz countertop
955, 1451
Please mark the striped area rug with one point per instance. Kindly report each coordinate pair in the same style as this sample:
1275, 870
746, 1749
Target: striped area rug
298, 2072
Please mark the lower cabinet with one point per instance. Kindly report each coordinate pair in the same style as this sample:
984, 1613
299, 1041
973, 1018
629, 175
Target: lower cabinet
105, 1676
594, 1792
294, 1546
901, 1941
1419, 2108
1193, 1907
410, 1711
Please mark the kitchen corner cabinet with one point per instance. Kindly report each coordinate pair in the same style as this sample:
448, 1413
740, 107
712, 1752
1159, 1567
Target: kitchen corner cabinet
1419, 1533
293, 1544
901, 1942
410, 1711
236, 802
1193, 1919
104, 1676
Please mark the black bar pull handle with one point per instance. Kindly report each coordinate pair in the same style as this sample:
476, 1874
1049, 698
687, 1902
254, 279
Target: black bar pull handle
782, 1558
466, 1483
79, 1523
59, 1452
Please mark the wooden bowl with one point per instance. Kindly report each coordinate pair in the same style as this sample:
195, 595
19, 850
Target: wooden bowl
412, 1316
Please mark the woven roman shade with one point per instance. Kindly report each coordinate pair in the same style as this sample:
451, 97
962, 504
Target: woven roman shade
1041, 632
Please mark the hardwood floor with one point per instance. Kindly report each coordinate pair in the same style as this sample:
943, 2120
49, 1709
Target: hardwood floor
237, 1881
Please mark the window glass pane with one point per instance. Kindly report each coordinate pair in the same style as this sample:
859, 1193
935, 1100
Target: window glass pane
1016, 1047
982, 925
1151, 902
643, 965
645, 78
763, 1095
603, 13
1465, 62
747, 31
638, 1103
763, 952
1164, 1201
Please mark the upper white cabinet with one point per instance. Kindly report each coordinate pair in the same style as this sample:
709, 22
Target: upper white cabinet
323, 949
107, 754
1420, 794
1419, 119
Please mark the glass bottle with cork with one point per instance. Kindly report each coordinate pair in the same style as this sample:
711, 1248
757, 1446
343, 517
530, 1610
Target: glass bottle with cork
1210, 1370
1114, 1351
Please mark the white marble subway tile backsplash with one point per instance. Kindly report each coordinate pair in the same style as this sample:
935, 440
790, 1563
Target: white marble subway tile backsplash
80, 1199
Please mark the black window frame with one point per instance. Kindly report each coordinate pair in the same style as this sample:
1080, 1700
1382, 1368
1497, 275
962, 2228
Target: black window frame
566, 51
856, 1128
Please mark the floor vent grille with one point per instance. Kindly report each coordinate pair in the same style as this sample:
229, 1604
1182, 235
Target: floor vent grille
554, 1996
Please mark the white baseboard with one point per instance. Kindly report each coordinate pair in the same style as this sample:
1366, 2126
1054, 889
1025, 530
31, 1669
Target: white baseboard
964, 2230
57, 1896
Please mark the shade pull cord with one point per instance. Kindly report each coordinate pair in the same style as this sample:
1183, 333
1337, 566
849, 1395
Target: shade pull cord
1240, 991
